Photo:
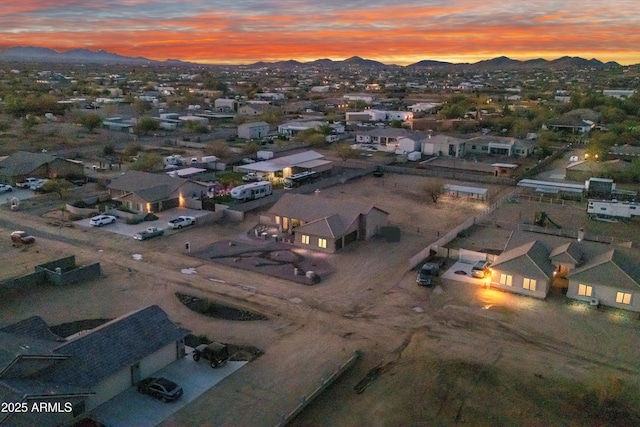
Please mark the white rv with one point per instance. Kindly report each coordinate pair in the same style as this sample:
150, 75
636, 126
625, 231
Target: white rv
612, 209
254, 190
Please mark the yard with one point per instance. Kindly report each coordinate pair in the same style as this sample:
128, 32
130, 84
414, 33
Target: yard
454, 354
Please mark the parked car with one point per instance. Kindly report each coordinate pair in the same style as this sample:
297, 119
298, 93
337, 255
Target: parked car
37, 185
5, 188
480, 269
251, 177
160, 388
182, 221
26, 183
100, 220
216, 353
22, 237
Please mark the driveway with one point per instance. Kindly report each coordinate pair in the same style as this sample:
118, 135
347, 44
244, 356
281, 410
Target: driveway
121, 227
131, 408
456, 273
18, 193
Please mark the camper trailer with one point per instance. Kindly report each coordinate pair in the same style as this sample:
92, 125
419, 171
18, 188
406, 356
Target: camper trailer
612, 209
254, 190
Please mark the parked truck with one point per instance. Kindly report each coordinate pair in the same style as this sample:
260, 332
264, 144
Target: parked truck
148, 233
427, 272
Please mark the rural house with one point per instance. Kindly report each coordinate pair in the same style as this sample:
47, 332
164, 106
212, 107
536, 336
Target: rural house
84, 370
148, 192
23, 164
325, 225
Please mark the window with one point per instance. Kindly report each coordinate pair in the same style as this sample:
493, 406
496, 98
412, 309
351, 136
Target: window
585, 290
505, 279
305, 239
623, 298
322, 243
529, 284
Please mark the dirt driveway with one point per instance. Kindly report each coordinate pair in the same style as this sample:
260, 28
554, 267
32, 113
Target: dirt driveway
429, 357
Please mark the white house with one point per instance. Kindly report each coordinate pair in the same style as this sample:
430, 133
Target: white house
253, 130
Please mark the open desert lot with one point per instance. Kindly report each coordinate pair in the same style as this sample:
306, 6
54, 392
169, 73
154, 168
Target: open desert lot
457, 354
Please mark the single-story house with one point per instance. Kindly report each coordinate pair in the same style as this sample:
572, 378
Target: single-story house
84, 370
146, 192
325, 225
590, 271
253, 130
525, 269
443, 145
22, 164
253, 109
611, 279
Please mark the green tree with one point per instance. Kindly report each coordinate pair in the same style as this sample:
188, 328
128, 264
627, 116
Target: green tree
217, 148
146, 124
344, 151
58, 186
434, 188
90, 121
197, 127
250, 149
148, 162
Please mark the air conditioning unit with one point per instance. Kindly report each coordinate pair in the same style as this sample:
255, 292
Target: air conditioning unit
594, 302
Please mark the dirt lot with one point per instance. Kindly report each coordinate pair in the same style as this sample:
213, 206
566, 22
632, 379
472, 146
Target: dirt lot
457, 354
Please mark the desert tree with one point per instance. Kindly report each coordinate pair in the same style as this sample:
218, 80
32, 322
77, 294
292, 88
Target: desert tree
89, 121
434, 188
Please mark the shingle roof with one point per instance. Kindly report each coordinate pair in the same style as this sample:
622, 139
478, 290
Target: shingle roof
570, 252
13, 346
149, 186
612, 268
23, 163
34, 327
113, 346
529, 259
331, 226
330, 217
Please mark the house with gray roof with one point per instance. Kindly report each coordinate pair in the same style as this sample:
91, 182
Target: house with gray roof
325, 225
611, 279
150, 192
23, 164
84, 370
591, 271
525, 270
285, 166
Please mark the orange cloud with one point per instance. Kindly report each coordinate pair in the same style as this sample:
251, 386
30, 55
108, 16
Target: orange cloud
387, 31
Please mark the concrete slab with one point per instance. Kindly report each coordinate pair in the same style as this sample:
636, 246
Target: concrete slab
131, 408
464, 266
121, 227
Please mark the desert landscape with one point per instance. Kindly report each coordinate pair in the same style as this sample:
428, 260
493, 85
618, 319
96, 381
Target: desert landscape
452, 355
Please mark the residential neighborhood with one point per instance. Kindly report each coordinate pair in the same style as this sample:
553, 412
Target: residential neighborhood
291, 207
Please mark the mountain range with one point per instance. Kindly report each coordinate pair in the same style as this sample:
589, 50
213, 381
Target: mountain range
46, 55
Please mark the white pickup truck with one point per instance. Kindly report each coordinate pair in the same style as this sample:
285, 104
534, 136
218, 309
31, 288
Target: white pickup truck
182, 221
148, 233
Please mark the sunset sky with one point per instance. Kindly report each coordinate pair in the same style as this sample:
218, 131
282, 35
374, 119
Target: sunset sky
400, 32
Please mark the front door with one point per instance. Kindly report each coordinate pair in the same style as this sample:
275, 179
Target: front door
135, 373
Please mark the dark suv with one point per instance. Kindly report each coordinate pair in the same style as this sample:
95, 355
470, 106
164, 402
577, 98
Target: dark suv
216, 353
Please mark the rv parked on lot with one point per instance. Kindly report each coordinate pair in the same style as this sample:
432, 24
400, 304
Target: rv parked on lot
252, 191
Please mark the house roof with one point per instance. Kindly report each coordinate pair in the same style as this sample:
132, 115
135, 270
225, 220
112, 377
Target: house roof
149, 186
568, 253
615, 267
34, 327
530, 259
279, 163
113, 346
331, 227
327, 217
13, 346
23, 163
